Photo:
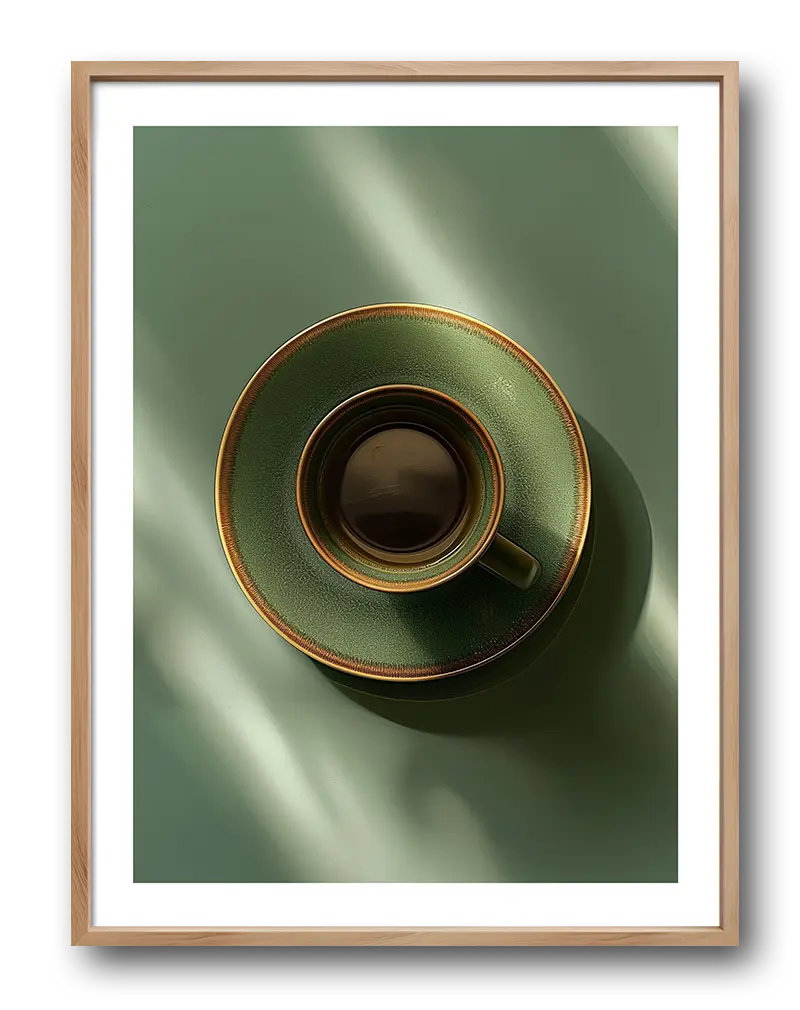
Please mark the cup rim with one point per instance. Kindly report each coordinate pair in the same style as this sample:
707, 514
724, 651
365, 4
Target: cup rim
422, 583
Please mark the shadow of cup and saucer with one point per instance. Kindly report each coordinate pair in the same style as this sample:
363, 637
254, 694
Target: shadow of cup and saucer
590, 626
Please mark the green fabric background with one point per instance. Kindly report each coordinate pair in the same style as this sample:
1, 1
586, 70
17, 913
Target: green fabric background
251, 762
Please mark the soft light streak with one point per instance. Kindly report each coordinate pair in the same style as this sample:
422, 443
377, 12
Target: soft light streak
335, 812
651, 153
417, 246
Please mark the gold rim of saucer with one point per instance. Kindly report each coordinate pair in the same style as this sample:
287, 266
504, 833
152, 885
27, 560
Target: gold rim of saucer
230, 437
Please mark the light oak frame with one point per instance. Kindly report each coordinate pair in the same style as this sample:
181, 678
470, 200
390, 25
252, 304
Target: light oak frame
726, 75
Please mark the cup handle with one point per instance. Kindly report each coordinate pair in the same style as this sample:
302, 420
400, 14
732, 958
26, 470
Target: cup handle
504, 559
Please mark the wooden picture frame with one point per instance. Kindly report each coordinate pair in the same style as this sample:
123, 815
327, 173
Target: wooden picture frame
84, 74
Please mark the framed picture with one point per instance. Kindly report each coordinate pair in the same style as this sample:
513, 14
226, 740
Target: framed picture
404, 503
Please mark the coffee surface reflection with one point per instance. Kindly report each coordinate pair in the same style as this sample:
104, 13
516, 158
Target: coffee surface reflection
402, 490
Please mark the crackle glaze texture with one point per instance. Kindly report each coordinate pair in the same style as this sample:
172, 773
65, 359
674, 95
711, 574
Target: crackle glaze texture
450, 627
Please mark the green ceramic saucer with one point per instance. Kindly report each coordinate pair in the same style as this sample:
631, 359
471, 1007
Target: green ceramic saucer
436, 632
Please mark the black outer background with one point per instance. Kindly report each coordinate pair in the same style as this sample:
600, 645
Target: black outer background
761, 967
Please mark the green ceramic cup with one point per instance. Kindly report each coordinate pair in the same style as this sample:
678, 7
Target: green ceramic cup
400, 488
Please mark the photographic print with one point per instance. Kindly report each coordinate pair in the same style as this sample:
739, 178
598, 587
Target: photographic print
406, 504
